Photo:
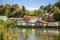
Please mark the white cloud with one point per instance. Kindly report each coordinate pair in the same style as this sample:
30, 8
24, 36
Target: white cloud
31, 9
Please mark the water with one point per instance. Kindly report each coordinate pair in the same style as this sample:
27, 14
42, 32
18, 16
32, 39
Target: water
39, 34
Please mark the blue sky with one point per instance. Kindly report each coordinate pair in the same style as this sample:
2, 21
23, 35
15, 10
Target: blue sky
29, 4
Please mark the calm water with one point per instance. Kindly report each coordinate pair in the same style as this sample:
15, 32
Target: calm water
39, 34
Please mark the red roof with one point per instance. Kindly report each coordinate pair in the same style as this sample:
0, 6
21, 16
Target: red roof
43, 21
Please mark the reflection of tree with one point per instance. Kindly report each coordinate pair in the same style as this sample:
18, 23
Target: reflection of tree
41, 34
26, 34
44, 35
57, 37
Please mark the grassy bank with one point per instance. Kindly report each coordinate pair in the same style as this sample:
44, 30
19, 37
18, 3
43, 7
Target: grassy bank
9, 34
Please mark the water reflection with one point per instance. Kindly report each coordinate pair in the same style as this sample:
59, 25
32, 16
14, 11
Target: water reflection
38, 34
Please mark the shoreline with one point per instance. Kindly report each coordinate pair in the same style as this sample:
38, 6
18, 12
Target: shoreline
57, 27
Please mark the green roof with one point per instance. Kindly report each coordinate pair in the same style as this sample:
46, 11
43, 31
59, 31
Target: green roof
2, 17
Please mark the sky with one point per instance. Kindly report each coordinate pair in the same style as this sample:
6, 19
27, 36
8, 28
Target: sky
29, 4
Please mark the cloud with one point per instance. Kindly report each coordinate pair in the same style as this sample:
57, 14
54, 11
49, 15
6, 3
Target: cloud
31, 9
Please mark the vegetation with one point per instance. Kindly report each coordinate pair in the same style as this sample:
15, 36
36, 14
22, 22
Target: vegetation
16, 11
7, 30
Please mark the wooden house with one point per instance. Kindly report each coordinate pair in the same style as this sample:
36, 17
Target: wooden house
41, 23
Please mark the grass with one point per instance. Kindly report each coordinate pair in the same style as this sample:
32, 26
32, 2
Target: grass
10, 34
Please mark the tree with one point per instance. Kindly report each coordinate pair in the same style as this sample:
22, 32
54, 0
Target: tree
57, 14
48, 8
1, 10
23, 11
41, 11
28, 12
15, 10
35, 13
57, 4
7, 9
42, 7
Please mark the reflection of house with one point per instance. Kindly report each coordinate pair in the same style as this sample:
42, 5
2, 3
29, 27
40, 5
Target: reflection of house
53, 32
4, 18
41, 23
48, 17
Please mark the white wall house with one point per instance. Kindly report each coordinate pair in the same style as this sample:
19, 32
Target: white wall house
53, 24
41, 23
4, 18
